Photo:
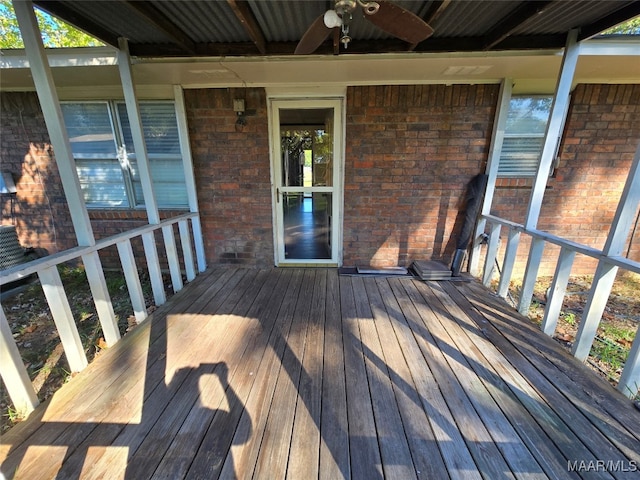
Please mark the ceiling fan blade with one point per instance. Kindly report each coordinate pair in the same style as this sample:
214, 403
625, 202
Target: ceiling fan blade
400, 23
315, 35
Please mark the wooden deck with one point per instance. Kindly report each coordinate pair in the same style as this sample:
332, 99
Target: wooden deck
302, 373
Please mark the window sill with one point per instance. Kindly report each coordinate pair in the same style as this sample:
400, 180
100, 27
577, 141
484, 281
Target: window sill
514, 182
131, 213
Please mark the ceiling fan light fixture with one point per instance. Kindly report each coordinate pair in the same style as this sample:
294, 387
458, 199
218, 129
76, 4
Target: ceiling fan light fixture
332, 19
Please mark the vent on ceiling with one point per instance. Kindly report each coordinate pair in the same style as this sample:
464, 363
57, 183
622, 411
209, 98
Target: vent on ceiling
467, 70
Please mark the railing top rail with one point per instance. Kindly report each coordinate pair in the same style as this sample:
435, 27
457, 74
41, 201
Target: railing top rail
19, 272
622, 262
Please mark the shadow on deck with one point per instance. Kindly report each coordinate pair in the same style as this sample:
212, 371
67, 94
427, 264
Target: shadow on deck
302, 373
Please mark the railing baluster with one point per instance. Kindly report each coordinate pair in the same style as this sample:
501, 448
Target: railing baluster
509, 261
492, 253
187, 251
597, 301
14, 374
153, 264
63, 318
199, 243
172, 257
132, 278
531, 275
557, 290
101, 298
630, 379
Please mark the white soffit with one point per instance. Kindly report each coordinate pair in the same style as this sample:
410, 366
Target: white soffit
600, 62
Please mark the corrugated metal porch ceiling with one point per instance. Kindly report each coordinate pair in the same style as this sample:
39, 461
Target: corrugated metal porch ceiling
274, 27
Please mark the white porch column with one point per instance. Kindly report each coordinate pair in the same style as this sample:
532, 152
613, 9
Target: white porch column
554, 128
189, 175
54, 120
13, 372
142, 159
497, 137
50, 104
137, 134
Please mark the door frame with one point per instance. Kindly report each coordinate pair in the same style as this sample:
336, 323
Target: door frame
274, 104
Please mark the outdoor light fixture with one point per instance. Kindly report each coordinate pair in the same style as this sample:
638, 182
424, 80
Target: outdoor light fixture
238, 107
343, 14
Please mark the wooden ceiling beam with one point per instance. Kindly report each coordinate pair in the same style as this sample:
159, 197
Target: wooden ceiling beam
435, 10
506, 26
160, 21
245, 16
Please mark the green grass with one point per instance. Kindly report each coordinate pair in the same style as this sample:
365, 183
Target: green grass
616, 332
569, 317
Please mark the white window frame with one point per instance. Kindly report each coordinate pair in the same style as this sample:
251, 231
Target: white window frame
133, 201
524, 170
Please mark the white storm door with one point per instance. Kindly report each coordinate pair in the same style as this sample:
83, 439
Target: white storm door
307, 152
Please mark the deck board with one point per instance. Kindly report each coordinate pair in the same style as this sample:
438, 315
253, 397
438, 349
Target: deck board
573, 391
302, 373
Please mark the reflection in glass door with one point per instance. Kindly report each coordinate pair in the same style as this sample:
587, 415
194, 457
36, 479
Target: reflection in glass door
305, 178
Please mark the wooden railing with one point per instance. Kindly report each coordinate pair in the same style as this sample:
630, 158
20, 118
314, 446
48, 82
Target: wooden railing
598, 296
14, 372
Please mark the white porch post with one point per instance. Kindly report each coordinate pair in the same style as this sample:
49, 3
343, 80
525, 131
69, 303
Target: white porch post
14, 374
497, 137
54, 120
137, 134
50, 104
549, 150
605, 276
189, 175
554, 126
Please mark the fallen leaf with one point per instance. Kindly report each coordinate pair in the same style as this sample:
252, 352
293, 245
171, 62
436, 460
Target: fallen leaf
565, 337
624, 342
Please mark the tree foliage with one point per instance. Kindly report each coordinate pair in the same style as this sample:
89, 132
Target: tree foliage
55, 33
631, 27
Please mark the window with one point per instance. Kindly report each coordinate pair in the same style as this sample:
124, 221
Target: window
107, 167
524, 135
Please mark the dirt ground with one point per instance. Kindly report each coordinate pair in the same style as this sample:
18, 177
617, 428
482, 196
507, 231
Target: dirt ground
35, 333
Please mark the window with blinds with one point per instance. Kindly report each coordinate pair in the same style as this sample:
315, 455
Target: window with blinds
524, 135
102, 146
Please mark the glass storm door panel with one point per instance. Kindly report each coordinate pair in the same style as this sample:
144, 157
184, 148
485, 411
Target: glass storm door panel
307, 162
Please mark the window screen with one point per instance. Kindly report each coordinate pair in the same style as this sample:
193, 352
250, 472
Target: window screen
109, 175
160, 131
93, 144
524, 136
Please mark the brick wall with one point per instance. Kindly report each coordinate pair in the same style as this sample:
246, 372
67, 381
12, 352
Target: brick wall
42, 218
233, 177
601, 136
410, 152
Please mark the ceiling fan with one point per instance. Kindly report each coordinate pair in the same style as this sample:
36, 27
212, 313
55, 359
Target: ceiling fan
391, 18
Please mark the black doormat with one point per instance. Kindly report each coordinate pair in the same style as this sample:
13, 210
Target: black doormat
374, 272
